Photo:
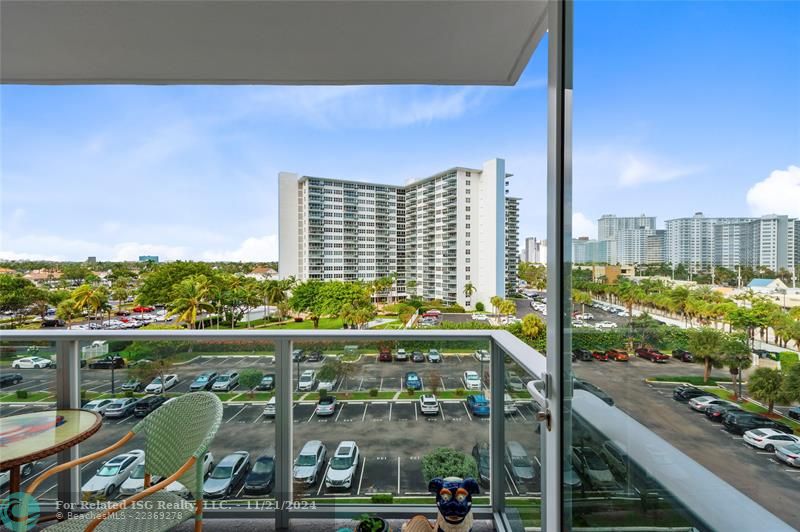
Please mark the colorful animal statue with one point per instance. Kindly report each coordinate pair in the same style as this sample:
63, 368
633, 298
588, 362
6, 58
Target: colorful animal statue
454, 502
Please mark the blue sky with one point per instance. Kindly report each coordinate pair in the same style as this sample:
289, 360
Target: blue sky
679, 107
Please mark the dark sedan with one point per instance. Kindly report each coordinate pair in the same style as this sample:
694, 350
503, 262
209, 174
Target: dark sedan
204, 381
717, 412
682, 355
267, 383
480, 452
10, 379
148, 404
262, 477
582, 354
685, 393
417, 356
315, 356
108, 362
741, 422
794, 413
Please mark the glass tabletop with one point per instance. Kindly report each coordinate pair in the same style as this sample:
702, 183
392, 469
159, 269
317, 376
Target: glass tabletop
38, 434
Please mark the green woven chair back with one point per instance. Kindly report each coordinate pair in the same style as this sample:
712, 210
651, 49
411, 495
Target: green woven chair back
183, 427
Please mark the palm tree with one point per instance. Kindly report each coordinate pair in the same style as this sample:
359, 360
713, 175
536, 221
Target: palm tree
89, 298
411, 286
706, 344
630, 294
495, 301
766, 385
120, 291
67, 310
190, 299
469, 289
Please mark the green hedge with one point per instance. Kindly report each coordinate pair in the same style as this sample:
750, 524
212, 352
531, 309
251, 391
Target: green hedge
788, 359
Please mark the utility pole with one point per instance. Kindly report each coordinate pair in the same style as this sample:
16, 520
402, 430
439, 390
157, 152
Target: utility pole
739, 276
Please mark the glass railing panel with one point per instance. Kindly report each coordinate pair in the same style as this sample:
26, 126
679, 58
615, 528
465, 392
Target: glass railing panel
405, 407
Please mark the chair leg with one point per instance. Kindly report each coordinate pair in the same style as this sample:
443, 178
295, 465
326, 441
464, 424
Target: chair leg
198, 515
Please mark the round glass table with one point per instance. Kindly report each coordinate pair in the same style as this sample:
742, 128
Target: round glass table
25, 438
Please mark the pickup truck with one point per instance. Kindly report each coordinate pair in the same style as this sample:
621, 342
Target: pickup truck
653, 355
108, 362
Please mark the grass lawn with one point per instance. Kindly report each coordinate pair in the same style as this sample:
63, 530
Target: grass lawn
32, 397
696, 380
324, 323
360, 396
788, 359
440, 394
257, 396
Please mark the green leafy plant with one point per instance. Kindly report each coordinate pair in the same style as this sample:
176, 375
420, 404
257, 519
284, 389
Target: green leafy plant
22, 394
382, 498
370, 523
444, 462
323, 393
479, 306
373, 392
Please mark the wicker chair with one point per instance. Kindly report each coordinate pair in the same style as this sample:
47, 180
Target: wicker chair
177, 435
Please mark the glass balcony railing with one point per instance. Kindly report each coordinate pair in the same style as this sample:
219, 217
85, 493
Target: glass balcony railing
353, 421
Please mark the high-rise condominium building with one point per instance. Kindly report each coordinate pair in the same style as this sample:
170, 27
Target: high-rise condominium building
437, 234
769, 241
585, 251
690, 241
655, 247
535, 250
610, 224
626, 237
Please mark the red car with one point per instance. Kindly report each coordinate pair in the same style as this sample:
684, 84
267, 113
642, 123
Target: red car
143, 309
618, 355
653, 355
385, 355
599, 355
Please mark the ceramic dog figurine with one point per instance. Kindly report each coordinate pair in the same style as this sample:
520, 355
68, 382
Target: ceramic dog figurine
454, 502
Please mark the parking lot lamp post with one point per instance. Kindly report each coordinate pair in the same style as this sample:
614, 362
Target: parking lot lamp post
112, 377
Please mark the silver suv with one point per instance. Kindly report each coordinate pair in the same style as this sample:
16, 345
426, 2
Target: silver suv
310, 463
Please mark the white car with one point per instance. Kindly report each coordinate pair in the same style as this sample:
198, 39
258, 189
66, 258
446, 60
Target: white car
585, 316
180, 489
135, 482
157, 387
428, 404
25, 471
606, 325
327, 385
98, 405
482, 355
307, 380
509, 406
472, 381
326, 406
269, 408
111, 475
769, 439
480, 316
31, 363
701, 403
343, 465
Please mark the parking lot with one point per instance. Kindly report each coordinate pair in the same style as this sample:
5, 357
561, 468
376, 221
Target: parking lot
757, 474
393, 435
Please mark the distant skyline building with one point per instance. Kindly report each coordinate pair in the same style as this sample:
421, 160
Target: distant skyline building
626, 237
690, 241
535, 250
148, 258
586, 251
442, 232
610, 224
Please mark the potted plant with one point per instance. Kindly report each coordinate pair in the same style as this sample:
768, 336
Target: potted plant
370, 523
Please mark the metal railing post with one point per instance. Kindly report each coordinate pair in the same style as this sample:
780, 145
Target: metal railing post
497, 428
68, 395
283, 432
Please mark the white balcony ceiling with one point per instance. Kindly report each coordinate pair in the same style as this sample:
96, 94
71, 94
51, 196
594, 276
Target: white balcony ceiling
268, 41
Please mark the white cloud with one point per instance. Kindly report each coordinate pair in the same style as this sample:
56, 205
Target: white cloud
628, 168
253, 249
779, 193
583, 226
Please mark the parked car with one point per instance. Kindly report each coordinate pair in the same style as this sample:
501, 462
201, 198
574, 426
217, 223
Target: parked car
226, 382
50, 322
653, 355
789, 454
582, 354
600, 355
434, 357
741, 422
226, 475
769, 439
385, 355
98, 405
479, 316
157, 386
684, 393
326, 406
307, 380
417, 356
682, 355
31, 363
472, 381
480, 452
514, 382
794, 412
147, 404
618, 355
519, 463
110, 475
428, 404
482, 355
310, 462
315, 356
267, 383
717, 412
10, 379
261, 478
700, 404
327, 384
592, 467
509, 405
204, 381
132, 385
343, 466
401, 355
477, 405
183, 491
135, 481
298, 355
108, 362
412, 380
269, 408
121, 407
606, 325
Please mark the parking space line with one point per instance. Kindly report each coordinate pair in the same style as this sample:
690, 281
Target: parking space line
416, 417
458, 357
398, 475
239, 492
511, 479
390, 411
311, 416
322, 480
360, 383
123, 419
521, 415
364, 415
361, 477
792, 470
236, 414
444, 386
441, 411
467, 411
341, 407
